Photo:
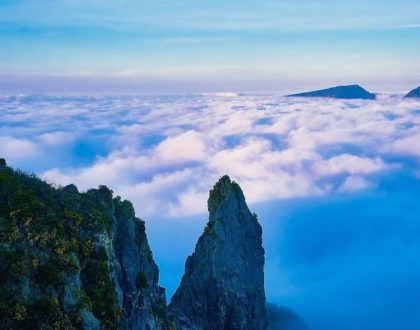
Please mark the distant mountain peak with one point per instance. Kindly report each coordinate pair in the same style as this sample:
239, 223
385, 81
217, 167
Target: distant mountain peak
415, 93
339, 92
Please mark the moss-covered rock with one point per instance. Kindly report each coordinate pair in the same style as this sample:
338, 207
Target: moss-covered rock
66, 261
223, 283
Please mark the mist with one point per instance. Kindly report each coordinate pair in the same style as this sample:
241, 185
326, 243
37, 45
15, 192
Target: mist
349, 262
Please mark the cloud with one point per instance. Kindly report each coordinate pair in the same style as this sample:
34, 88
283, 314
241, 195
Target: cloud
56, 138
408, 145
13, 148
348, 262
349, 164
161, 192
190, 202
107, 172
185, 147
282, 318
275, 147
355, 183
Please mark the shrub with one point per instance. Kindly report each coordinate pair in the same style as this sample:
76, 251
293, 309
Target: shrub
12, 265
140, 230
47, 309
48, 274
101, 254
9, 232
86, 248
6, 297
99, 288
159, 308
141, 281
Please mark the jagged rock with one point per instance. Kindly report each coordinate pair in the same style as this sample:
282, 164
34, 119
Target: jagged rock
340, 92
144, 301
74, 260
223, 284
415, 93
81, 260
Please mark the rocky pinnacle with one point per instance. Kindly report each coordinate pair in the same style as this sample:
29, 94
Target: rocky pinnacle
223, 284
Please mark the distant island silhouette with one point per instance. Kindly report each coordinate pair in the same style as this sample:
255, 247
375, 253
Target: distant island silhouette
339, 92
415, 93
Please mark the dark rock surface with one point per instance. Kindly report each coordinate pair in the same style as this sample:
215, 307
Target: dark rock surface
223, 284
340, 92
415, 93
143, 300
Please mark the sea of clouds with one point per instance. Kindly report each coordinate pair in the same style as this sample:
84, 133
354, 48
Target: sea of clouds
164, 153
335, 183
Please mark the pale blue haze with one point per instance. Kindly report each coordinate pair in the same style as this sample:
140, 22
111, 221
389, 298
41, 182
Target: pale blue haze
187, 46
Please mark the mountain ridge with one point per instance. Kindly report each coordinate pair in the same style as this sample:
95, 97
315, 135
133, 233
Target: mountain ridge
415, 93
339, 92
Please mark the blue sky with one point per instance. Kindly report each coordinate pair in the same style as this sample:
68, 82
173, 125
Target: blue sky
164, 46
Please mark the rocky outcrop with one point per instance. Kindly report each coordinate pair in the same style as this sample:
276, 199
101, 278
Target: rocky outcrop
143, 302
223, 284
415, 93
71, 260
340, 92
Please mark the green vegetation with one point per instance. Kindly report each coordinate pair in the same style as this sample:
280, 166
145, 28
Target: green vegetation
141, 281
99, 289
159, 309
62, 252
48, 239
209, 231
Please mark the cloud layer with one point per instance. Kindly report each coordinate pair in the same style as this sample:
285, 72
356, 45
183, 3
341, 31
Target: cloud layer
335, 185
164, 153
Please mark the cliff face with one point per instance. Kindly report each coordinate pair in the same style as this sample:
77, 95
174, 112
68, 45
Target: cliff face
223, 284
73, 260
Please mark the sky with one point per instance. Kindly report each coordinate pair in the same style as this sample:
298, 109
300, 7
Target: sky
178, 46
335, 184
